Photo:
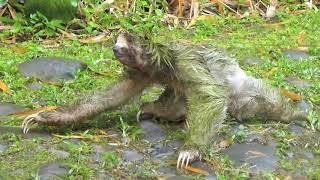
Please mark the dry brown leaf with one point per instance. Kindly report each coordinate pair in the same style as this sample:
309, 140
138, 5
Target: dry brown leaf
256, 153
93, 137
215, 163
102, 132
297, 12
214, 1
273, 25
34, 111
5, 27
12, 12
49, 42
301, 38
5, 88
224, 144
95, 39
293, 96
274, 69
100, 73
180, 13
59, 84
196, 170
220, 8
302, 48
19, 50
66, 34
13, 40
2, 11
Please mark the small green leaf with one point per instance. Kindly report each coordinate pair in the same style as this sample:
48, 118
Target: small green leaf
3, 3
74, 3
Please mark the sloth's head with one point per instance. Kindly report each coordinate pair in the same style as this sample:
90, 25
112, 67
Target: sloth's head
129, 52
141, 53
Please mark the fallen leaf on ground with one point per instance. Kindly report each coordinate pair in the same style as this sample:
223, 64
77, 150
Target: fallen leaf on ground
196, 170
19, 50
5, 88
59, 84
34, 111
256, 153
95, 39
293, 96
5, 27
215, 163
100, 73
2, 11
10, 41
49, 42
300, 38
95, 138
302, 48
272, 25
12, 12
274, 69
297, 12
224, 144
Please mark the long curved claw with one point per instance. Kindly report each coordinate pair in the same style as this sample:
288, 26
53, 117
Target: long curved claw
138, 115
28, 122
185, 157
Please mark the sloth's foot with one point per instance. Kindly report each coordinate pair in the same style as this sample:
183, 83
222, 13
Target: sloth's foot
29, 121
186, 157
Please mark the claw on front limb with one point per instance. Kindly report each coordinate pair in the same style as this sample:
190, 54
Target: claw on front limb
29, 121
186, 157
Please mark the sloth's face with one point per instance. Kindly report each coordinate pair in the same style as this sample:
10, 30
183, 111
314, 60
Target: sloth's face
129, 52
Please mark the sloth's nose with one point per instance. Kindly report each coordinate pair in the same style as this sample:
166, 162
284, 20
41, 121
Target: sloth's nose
118, 50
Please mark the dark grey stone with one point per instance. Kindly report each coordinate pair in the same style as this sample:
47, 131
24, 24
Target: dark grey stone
303, 105
3, 148
210, 178
254, 137
252, 61
152, 131
296, 55
34, 86
129, 155
260, 158
102, 175
167, 171
289, 154
97, 150
307, 154
8, 108
298, 82
59, 153
51, 69
177, 178
33, 133
165, 150
52, 171
296, 130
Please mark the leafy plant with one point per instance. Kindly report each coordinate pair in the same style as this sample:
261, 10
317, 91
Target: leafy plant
110, 160
129, 130
44, 27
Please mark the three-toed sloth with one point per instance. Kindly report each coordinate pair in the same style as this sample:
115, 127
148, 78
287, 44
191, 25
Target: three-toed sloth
202, 84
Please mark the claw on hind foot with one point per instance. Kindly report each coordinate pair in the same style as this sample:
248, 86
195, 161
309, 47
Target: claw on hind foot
185, 157
28, 122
